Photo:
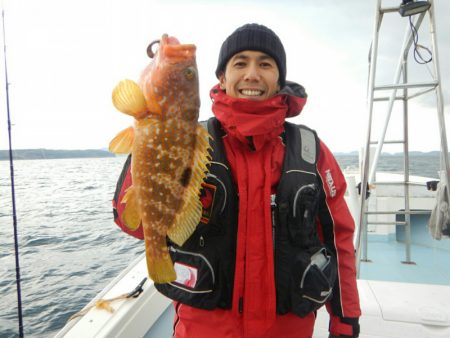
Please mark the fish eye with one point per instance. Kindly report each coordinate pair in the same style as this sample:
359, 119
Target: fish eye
189, 73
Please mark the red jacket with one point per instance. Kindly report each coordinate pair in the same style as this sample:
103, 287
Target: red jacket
255, 153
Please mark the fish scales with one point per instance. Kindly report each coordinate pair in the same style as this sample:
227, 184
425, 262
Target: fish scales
159, 204
170, 152
163, 166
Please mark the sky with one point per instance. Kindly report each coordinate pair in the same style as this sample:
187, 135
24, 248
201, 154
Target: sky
65, 57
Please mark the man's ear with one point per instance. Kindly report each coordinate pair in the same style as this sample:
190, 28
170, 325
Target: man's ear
222, 81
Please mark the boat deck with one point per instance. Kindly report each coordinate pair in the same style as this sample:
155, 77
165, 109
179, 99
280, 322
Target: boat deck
429, 265
386, 257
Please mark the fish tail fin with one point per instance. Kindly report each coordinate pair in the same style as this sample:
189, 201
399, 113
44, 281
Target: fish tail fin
161, 270
130, 215
122, 143
128, 98
191, 211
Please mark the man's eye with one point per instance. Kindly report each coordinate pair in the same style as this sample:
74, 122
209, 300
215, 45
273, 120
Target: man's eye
266, 64
239, 64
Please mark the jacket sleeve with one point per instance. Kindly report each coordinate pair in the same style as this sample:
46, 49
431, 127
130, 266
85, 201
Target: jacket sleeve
336, 228
123, 184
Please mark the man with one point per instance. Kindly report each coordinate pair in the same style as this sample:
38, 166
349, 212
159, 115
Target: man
273, 202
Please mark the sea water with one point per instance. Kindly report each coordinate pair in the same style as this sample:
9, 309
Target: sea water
69, 246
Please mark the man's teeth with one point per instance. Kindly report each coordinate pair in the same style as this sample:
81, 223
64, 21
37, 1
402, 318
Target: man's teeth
251, 92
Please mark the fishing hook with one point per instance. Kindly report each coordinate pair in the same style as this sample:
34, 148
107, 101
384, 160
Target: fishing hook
150, 52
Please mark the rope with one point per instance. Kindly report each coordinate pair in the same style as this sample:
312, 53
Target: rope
13, 194
417, 54
105, 304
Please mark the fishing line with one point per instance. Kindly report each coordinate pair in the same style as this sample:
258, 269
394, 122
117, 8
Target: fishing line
13, 194
417, 55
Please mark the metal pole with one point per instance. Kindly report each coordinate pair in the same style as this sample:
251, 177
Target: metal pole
407, 41
366, 157
407, 216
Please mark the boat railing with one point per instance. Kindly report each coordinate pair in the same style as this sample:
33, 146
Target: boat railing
400, 90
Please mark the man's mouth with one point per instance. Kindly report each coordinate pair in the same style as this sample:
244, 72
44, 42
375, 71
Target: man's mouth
251, 92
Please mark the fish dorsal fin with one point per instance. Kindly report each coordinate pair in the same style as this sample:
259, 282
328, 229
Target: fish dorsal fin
130, 215
128, 98
191, 210
122, 143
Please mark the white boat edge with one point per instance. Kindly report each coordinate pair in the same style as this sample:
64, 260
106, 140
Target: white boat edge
132, 317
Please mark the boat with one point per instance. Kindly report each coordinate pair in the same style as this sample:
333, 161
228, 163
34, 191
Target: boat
403, 272
391, 307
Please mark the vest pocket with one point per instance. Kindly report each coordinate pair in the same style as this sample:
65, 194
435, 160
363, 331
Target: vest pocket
196, 280
213, 197
313, 281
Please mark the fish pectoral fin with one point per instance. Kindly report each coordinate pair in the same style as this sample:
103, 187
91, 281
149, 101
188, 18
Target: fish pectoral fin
191, 210
122, 143
128, 98
130, 215
187, 219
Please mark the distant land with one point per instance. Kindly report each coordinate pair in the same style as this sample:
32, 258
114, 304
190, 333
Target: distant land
45, 154
411, 153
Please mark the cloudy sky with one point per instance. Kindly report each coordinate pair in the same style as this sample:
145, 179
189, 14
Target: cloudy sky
65, 57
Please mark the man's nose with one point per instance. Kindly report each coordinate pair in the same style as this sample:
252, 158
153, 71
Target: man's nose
252, 72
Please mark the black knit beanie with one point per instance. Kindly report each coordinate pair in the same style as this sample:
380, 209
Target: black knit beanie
253, 37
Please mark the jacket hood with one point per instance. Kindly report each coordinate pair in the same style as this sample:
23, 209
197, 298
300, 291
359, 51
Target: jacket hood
295, 98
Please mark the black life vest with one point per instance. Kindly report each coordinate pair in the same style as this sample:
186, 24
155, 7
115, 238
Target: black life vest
304, 269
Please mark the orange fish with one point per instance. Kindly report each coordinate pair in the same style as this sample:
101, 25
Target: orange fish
170, 151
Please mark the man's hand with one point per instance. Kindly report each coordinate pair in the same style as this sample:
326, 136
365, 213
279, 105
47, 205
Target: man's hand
344, 327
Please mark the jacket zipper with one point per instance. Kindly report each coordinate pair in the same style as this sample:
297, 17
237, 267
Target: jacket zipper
273, 206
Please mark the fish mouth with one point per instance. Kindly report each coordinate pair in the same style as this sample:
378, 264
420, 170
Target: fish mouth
179, 51
169, 40
170, 46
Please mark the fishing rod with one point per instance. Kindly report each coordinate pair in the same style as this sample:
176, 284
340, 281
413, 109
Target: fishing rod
13, 195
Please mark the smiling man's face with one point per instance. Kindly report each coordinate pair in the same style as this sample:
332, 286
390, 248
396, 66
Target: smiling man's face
250, 75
